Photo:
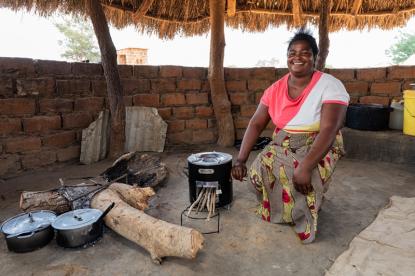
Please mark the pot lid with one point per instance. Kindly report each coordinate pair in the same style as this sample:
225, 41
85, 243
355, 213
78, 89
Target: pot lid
76, 219
209, 158
28, 222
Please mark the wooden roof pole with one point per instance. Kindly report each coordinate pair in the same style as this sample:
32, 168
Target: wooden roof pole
323, 33
231, 9
220, 100
296, 10
142, 10
112, 77
356, 7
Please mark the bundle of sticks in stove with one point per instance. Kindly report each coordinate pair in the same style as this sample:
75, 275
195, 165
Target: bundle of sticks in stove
205, 200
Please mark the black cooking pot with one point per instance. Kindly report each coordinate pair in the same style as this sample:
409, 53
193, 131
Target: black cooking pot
28, 231
367, 116
80, 227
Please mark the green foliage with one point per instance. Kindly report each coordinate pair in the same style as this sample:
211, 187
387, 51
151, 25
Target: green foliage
403, 49
80, 42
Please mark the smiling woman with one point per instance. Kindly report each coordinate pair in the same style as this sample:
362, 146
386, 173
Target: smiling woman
292, 173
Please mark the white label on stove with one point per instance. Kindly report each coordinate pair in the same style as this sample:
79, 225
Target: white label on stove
206, 171
218, 191
207, 184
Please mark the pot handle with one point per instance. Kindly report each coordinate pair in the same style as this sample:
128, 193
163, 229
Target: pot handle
106, 211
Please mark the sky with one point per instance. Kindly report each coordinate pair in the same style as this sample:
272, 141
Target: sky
27, 35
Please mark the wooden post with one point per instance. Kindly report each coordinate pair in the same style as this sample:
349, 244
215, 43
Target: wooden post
323, 31
220, 100
112, 77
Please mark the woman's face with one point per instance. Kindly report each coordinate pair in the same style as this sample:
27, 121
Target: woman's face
300, 59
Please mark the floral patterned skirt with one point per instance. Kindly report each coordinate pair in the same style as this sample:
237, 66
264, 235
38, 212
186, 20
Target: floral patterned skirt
271, 175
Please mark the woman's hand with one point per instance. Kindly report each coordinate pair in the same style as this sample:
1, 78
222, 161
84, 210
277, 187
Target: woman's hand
302, 180
239, 170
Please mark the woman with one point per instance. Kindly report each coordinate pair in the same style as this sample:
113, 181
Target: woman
292, 172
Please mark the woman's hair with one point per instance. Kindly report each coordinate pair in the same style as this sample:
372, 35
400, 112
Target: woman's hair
305, 35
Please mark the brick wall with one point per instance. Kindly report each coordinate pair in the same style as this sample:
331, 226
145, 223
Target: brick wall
44, 105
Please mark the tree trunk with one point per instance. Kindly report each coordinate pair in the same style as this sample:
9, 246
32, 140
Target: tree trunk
220, 101
112, 77
323, 32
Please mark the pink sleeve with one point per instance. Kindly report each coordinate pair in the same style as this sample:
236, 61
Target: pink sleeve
266, 97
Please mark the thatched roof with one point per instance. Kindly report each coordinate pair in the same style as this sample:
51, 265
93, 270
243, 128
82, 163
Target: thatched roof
168, 18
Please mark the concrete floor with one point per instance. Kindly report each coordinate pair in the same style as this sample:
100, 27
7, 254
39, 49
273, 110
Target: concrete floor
245, 245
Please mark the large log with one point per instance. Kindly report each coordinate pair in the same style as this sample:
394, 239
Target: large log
158, 237
44, 200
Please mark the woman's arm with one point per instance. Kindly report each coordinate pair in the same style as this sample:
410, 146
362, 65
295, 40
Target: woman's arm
256, 125
332, 118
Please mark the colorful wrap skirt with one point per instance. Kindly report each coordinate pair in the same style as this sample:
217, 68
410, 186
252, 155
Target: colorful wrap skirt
271, 175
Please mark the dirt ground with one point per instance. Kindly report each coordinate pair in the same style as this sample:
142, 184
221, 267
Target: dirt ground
245, 245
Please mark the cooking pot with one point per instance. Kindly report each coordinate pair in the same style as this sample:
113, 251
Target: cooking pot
80, 227
28, 231
367, 116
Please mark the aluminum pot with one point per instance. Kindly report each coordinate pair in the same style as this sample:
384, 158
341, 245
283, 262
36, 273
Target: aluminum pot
28, 231
80, 227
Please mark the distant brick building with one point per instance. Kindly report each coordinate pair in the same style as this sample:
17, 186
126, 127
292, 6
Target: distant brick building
132, 56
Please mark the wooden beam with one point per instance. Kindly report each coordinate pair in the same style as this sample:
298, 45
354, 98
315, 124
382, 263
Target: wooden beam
231, 9
216, 76
323, 34
142, 10
296, 10
356, 6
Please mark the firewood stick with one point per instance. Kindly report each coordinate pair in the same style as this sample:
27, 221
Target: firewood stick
195, 202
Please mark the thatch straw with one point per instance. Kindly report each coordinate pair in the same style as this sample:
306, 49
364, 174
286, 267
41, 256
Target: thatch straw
168, 18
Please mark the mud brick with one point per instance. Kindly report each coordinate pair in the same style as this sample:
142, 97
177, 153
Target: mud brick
248, 110
128, 101
173, 99
237, 74
371, 74
374, 100
204, 111
17, 66
170, 71
407, 84
73, 87
145, 71
204, 136
263, 73
88, 69
132, 86
99, 88
152, 100
56, 105
41, 124
241, 122
182, 137
17, 106
42, 87
165, 112
357, 88
196, 123
183, 112
38, 159
125, 71
280, 72
205, 86
163, 85
342, 74
197, 98
191, 84
76, 120
10, 126
255, 85
59, 140
194, 73
239, 98
22, 144
212, 123
69, 153
6, 87
175, 126
91, 104
53, 67
386, 88
401, 72
236, 85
